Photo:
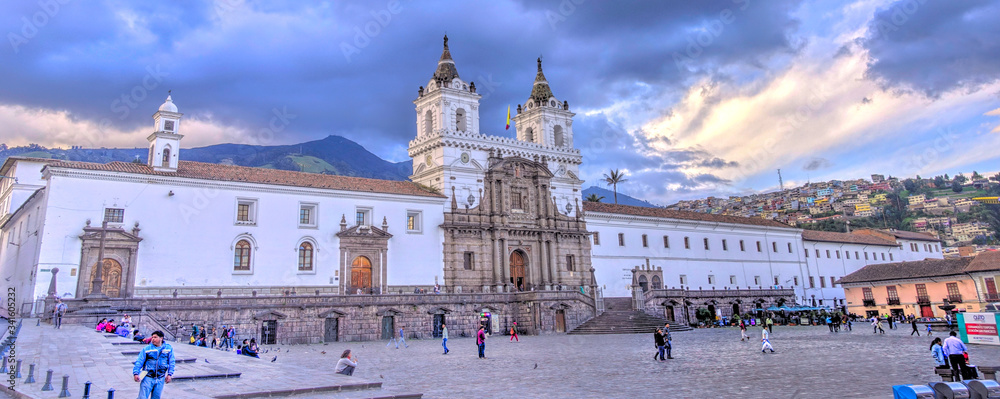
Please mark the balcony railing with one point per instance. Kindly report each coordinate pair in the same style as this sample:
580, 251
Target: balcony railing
893, 301
955, 298
923, 300
868, 302
993, 297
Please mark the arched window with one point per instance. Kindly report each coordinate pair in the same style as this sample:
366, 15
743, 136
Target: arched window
428, 122
558, 133
529, 135
305, 257
242, 256
643, 283
166, 156
460, 120
656, 283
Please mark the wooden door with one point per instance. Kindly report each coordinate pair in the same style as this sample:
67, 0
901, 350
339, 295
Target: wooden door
361, 275
560, 320
926, 311
668, 312
269, 332
517, 270
331, 330
387, 327
438, 321
111, 273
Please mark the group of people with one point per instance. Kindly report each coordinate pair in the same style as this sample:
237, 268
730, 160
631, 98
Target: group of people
663, 341
123, 329
953, 353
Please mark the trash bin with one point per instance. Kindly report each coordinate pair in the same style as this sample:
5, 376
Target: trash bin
983, 389
912, 392
949, 390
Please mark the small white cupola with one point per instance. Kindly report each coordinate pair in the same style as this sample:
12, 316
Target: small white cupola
544, 119
165, 142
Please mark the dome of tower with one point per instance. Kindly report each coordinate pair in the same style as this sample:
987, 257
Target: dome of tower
168, 106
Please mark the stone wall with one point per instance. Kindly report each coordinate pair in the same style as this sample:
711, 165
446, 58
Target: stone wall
301, 319
681, 305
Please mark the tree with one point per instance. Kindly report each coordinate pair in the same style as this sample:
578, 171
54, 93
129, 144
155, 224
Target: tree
613, 179
996, 177
976, 176
960, 178
939, 182
594, 198
956, 186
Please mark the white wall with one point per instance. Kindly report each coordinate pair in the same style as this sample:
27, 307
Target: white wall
612, 262
188, 237
838, 260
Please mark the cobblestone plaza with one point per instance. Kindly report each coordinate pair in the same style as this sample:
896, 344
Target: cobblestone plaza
810, 362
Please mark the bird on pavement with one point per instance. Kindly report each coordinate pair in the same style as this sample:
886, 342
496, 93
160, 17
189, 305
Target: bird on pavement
273, 359
206, 361
323, 352
536, 365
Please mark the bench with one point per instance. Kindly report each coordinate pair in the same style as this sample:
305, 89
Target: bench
945, 374
989, 372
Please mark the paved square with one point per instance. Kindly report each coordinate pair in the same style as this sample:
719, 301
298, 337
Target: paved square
810, 362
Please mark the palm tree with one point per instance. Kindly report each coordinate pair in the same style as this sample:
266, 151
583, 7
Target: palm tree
613, 179
594, 198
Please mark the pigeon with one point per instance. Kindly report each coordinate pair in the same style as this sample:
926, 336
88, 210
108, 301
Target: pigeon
206, 361
536, 365
286, 350
273, 359
323, 352
380, 376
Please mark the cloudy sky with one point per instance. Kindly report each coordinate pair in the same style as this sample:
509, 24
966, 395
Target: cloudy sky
691, 98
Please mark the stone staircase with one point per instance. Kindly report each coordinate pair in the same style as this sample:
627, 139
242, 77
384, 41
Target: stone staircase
619, 318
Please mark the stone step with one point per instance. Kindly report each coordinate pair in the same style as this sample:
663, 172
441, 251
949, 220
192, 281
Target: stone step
624, 322
326, 391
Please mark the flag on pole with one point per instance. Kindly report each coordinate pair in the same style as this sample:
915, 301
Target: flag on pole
508, 118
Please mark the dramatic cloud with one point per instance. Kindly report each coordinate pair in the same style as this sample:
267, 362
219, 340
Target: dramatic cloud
817, 164
935, 46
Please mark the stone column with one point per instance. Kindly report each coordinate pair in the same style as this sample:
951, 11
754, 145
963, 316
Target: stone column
495, 265
542, 263
551, 259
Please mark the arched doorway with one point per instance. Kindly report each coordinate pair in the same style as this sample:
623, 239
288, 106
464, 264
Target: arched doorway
112, 276
656, 283
736, 309
361, 274
643, 283
517, 267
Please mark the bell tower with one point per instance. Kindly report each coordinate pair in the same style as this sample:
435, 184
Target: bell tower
448, 107
165, 142
544, 119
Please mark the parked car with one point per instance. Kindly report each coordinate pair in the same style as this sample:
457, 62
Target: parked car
992, 307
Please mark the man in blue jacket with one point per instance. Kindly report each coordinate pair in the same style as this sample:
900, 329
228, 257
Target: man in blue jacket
157, 360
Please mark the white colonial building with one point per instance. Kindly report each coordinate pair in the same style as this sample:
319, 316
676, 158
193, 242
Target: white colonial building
482, 214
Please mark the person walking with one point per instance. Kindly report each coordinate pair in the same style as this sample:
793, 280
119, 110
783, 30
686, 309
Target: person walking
346, 364
57, 313
659, 343
444, 338
878, 326
770, 324
154, 367
513, 333
765, 340
955, 349
393, 340
402, 338
743, 331
940, 360
481, 342
928, 329
913, 323
829, 323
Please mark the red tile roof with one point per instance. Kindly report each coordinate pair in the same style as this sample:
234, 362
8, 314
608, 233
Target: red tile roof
906, 270
232, 173
829, 236
909, 235
601, 207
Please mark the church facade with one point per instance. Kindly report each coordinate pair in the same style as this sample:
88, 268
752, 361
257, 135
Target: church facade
494, 224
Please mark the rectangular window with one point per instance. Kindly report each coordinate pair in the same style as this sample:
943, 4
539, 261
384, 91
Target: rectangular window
922, 293
776, 279
758, 247
666, 242
883, 256
817, 254
833, 281
795, 280
774, 246
114, 215
359, 218
953, 294
892, 295
812, 282
711, 279
515, 201
838, 254
687, 243
725, 247
706, 244
822, 282
789, 247
645, 241
569, 263
597, 238
891, 257
470, 260
246, 211
732, 280
742, 246
866, 292
847, 254
756, 280
684, 279
807, 252
991, 288
414, 222
308, 214
621, 239
866, 256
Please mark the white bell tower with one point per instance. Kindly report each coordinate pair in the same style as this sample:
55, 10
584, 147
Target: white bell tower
165, 143
544, 119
